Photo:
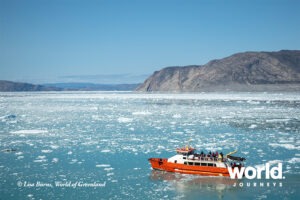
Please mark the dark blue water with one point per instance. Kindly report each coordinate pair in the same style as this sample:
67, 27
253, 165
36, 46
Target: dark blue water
106, 138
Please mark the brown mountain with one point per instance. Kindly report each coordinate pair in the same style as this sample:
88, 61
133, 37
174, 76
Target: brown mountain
249, 71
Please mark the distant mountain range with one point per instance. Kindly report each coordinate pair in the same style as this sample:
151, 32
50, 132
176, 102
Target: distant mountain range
249, 71
92, 86
9, 86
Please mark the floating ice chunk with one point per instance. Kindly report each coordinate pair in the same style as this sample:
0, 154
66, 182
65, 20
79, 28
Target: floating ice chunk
19, 153
54, 146
20, 157
277, 120
96, 117
284, 140
105, 151
108, 169
253, 126
131, 129
110, 174
287, 146
272, 162
41, 160
41, 157
124, 119
228, 134
253, 102
46, 151
205, 122
73, 161
55, 160
176, 116
29, 131
69, 153
136, 168
178, 132
136, 139
142, 113
103, 165
294, 160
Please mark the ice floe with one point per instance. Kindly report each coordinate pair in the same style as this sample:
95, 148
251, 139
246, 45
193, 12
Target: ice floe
142, 113
294, 160
287, 146
103, 165
177, 116
124, 119
54, 146
34, 131
47, 150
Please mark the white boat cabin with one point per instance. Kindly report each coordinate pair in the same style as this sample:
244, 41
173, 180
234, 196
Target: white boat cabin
187, 156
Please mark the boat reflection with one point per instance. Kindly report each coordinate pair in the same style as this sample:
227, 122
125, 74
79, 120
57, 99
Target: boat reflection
195, 186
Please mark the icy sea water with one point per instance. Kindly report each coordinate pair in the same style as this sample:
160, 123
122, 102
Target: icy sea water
107, 137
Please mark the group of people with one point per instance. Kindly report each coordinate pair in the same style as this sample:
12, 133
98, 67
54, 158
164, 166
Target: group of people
211, 155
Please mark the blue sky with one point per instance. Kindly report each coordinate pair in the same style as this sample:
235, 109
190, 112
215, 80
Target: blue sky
47, 40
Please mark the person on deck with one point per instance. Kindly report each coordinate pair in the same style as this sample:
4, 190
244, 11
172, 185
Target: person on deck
221, 156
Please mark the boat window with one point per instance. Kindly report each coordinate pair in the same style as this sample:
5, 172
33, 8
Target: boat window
184, 157
190, 163
175, 161
203, 164
215, 165
210, 164
185, 163
197, 164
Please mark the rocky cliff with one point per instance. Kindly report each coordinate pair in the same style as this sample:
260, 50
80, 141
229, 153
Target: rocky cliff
249, 71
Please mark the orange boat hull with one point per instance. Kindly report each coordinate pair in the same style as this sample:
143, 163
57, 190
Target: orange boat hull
164, 165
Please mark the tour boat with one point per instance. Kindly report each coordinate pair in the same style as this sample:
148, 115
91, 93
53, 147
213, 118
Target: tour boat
188, 162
